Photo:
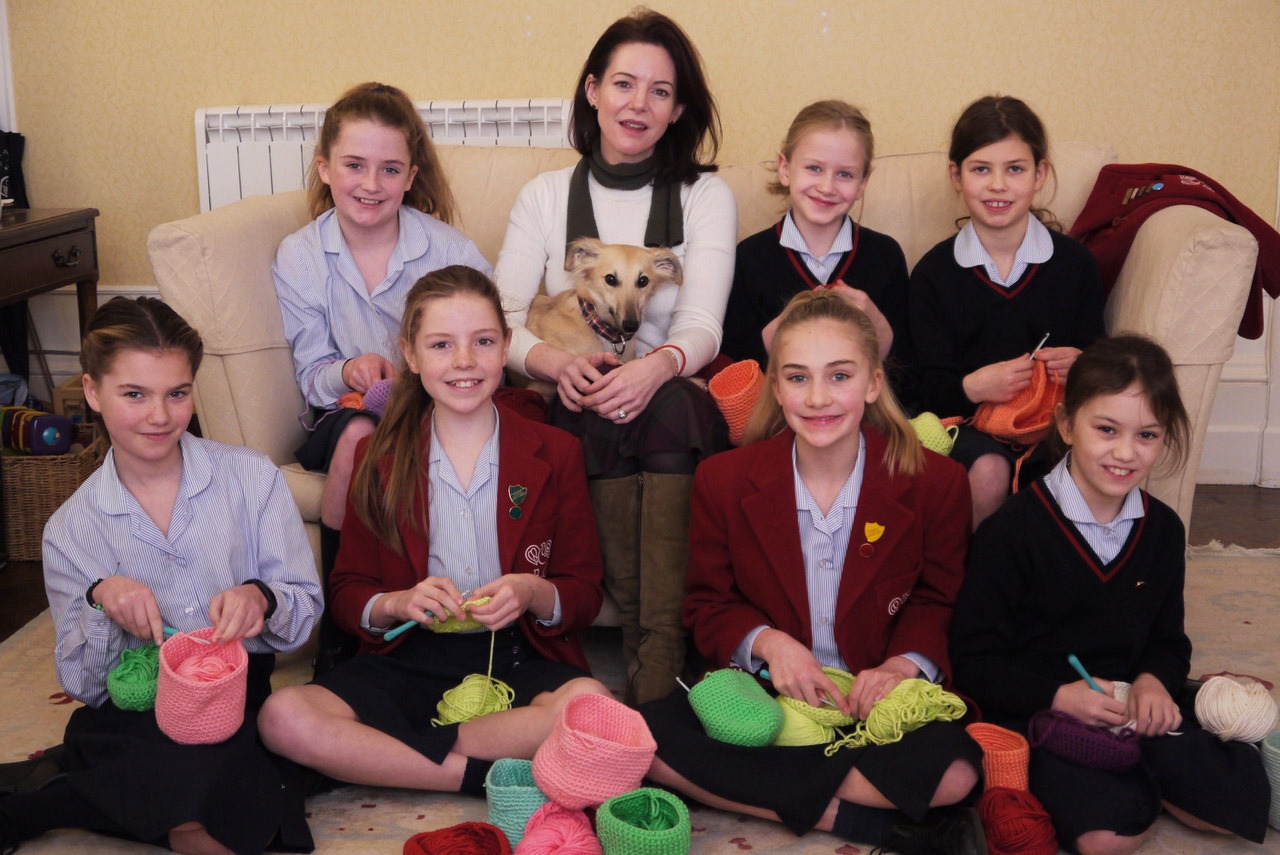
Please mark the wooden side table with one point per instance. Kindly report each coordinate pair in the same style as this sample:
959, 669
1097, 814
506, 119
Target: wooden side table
44, 249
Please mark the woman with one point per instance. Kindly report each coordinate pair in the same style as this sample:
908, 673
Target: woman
648, 131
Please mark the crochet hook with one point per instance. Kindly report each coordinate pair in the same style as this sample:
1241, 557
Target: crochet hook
764, 673
1038, 346
1075, 663
393, 634
170, 632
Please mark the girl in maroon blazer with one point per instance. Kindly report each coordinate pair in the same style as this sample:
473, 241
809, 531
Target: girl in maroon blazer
454, 500
834, 540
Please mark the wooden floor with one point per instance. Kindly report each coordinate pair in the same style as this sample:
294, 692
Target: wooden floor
1245, 516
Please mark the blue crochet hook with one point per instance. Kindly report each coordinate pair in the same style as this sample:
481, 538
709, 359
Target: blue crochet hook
393, 634
170, 632
1075, 663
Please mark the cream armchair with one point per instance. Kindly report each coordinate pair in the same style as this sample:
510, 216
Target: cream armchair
1185, 283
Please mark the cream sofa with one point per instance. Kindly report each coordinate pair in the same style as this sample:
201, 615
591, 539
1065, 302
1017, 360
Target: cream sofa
1185, 283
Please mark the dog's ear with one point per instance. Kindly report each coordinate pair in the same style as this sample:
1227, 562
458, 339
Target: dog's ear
666, 262
582, 251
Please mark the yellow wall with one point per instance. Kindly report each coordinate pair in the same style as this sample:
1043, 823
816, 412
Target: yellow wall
106, 90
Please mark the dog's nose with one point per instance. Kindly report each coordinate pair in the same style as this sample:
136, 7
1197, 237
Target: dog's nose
630, 326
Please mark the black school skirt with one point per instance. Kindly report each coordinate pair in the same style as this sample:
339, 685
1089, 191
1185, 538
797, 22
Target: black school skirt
799, 782
244, 796
398, 692
1222, 783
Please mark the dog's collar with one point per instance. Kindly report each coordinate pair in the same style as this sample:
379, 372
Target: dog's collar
605, 330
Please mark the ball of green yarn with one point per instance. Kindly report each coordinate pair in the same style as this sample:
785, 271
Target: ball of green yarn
132, 683
646, 821
800, 729
734, 708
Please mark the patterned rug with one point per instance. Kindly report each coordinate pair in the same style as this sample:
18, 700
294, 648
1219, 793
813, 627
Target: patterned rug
1233, 598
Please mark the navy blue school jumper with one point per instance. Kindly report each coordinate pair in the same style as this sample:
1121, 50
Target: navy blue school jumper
960, 321
767, 275
1034, 591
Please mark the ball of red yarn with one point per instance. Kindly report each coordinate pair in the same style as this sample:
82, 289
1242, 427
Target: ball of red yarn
1016, 823
556, 830
465, 838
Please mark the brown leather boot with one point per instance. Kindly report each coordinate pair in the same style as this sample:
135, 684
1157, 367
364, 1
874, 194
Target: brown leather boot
616, 502
664, 560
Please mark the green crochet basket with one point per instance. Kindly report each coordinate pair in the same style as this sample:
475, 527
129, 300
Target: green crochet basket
734, 708
132, 683
513, 796
646, 821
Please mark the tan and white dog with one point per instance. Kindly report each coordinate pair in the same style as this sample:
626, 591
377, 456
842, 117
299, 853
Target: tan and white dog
612, 283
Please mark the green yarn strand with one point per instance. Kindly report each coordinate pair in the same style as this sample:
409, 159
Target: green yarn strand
911, 704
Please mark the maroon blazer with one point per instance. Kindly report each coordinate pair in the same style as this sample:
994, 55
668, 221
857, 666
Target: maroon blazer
896, 594
554, 536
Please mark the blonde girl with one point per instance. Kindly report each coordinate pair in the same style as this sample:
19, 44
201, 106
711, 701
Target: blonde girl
832, 540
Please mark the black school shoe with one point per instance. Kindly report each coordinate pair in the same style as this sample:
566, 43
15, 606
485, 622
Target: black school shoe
27, 776
945, 831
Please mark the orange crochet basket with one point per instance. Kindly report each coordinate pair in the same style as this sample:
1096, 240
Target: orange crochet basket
195, 711
1027, 417
735, 390
1005, 755
597, 749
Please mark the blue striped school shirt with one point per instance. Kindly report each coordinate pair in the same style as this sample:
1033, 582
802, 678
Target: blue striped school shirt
1036, 248
1106, 539
330, 316
824, 543
233, 520
820, 266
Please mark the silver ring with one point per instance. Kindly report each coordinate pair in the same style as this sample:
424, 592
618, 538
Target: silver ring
622, 414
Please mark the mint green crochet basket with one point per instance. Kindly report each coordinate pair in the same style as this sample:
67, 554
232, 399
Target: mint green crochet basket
646, 821
734, 708
513, 796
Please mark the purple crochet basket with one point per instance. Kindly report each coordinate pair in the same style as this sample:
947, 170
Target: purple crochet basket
1069, 738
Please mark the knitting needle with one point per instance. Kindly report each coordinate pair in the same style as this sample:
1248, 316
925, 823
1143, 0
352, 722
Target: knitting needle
764, 672
1038, 346
1075, 663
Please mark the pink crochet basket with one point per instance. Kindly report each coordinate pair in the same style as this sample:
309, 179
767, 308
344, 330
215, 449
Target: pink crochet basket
597, 749
195, 712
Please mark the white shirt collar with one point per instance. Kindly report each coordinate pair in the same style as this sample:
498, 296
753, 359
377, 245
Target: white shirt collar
1036, 248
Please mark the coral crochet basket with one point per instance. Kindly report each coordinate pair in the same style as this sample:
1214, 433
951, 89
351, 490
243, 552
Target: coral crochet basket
597, 749
1005, 755
196, 712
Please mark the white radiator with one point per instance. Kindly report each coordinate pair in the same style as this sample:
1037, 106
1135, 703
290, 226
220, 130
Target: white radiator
247, 151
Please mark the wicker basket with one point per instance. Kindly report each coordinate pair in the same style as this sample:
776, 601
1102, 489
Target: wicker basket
34, 486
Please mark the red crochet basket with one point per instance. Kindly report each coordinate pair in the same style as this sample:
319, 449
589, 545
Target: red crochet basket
597, 749
194, 712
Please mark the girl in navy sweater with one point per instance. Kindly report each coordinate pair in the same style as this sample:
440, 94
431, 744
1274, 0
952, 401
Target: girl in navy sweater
982, 300
1084, 562
822, 170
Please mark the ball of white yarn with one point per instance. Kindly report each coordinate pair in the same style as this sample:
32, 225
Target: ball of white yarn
1230, 710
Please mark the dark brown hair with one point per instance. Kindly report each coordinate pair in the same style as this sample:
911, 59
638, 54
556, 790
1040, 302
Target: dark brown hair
903, 452
993, 118
690, 146
827, 115
389, 106
385, 488
1111, 365
145, 324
